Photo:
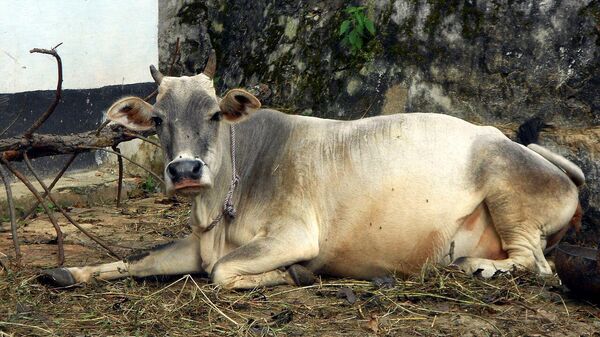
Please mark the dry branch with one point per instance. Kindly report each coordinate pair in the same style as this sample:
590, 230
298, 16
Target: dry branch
133, 162
33, 145
65, 214
41, 145
56, 179
36, 125
120, 183
26, 182
11, 210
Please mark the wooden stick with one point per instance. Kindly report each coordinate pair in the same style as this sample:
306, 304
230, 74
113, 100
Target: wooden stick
11, 210
36, 125
131, 161
59, 234
60, 174
65, 214
42, 145
120, 182
140, 137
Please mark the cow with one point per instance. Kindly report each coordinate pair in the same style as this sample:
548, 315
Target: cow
279, 198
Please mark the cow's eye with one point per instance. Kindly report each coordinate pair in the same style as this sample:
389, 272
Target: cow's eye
216, 116
157, 121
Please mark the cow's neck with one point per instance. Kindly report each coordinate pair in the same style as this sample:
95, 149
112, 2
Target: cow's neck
208, 205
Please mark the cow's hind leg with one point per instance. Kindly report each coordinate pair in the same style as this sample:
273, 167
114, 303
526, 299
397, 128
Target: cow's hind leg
178, 257
522, 226
526, 255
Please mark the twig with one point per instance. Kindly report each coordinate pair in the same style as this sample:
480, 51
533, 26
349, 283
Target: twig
152, 94
102, 126
57, 96
129, 160
11, 210
140, 137
59, 234
11, 124
26, 326
120, 182
211, 304
65, 214
174, 58
60, 174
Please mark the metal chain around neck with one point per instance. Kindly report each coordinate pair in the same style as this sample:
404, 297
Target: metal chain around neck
228, 208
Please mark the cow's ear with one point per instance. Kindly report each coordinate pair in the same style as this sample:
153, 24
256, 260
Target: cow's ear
133, 113
237, 104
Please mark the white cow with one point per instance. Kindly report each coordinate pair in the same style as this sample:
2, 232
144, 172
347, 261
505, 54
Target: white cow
361, 199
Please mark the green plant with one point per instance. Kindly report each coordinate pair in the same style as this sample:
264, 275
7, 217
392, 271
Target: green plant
51, 206
149, 185
353, 29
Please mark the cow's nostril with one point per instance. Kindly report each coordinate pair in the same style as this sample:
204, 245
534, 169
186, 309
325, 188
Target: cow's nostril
196, 168
172, 171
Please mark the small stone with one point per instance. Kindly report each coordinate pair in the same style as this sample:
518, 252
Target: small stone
347, 294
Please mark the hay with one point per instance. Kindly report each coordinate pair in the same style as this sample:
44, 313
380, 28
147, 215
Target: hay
437, 302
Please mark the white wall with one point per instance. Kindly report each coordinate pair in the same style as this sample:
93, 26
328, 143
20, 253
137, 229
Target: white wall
105, 42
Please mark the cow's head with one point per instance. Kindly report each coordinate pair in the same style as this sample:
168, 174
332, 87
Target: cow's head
187, 117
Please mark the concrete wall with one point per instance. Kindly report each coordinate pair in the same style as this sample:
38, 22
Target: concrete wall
490, 62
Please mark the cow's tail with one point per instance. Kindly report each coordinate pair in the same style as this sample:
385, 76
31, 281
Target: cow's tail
528, 135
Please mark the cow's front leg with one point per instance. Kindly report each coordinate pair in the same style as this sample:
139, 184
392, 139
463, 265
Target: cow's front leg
178, 257
257, 263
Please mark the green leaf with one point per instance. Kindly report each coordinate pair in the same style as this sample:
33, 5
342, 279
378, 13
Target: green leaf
359, 43
370, 26
353, 37
361, 29
359, 20
345, 40
353, 9
344, 27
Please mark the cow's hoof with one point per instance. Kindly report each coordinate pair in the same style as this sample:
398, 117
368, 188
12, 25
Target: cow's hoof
301, 276
483, 268
57, 277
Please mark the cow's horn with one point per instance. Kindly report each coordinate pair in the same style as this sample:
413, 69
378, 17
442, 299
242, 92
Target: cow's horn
211, 64
156, 74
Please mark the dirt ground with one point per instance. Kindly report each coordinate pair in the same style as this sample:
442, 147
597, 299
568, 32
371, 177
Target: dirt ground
435, 303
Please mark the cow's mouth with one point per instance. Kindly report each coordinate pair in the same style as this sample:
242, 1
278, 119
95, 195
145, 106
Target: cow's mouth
187, 186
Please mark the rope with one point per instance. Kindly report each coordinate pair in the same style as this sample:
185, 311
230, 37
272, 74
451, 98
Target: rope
228, 208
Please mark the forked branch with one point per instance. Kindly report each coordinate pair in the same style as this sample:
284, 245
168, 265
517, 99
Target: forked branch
36, 125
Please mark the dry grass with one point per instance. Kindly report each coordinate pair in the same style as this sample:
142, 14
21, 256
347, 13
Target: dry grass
438, 302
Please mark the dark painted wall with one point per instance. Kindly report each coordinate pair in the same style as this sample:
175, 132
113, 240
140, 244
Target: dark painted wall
79, 110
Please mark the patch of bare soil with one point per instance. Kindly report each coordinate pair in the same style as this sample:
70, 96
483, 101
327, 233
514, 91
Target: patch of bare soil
438, 302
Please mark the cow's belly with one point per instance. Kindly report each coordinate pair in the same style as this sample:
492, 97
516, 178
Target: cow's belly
386, 245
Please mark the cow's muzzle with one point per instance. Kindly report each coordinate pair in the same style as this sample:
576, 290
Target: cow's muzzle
185, 174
